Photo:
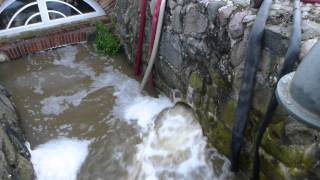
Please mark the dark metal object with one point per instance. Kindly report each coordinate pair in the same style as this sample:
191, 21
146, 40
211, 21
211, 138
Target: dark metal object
254, 52
291, 58
298, 92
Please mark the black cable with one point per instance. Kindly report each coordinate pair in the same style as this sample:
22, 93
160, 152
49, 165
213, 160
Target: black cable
254, 52
291, 58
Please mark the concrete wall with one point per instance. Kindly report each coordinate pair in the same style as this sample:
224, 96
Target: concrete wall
201, 54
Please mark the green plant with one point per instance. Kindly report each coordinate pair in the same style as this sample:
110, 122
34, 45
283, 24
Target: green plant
106, 41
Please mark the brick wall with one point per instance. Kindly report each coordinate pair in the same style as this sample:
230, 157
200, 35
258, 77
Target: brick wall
39, 40
25, 47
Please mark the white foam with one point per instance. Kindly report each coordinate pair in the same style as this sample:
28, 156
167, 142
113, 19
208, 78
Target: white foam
56, 105
178, 142
175, 148
59, 159
144, 109
130, 104
38, 88
68, 59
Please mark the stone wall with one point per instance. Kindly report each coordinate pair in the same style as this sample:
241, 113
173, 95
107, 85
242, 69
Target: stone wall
201, 54
14, 157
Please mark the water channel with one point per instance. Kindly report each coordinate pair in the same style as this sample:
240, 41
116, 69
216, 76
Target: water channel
85, 118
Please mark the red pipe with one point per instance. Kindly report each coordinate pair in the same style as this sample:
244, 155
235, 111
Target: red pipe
138, 60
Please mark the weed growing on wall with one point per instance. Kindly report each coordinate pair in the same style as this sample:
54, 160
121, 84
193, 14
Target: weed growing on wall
106, 41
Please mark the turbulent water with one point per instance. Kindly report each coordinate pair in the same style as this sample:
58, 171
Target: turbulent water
86, 118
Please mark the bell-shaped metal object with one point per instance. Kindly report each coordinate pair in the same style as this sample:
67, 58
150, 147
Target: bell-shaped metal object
299, 92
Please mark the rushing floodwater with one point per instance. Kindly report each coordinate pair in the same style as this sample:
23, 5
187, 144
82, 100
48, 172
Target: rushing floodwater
85, 118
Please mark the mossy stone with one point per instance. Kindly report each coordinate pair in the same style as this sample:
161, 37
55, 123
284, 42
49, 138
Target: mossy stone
311, 156
277, 129
289, 155
25, 169
218, 79
197, 99
220, 137
272, 168
228, 113
246, 162
196, 81
212, 91
297, 173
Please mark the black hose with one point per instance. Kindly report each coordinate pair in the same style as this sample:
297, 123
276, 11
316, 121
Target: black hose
254, 52
291, 58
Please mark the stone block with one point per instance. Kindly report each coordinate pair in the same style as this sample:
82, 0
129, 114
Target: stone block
310, 30
238, 53
194, 21
220, 137
272, 168
176, 20
291, 156
170, 49
224, 14
169, 75
307, 46
213, 8
25, 169
235, 26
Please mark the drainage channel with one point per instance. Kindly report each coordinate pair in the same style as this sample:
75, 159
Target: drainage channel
85, 118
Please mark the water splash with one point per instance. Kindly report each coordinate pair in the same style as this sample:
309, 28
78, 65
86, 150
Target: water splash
173, 145
59, 159
175, 148
131, 105
56, 105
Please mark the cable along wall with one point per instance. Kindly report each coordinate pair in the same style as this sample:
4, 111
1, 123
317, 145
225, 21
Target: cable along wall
23, 15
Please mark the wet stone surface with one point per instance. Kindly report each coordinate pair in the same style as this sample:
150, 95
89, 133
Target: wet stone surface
205, 61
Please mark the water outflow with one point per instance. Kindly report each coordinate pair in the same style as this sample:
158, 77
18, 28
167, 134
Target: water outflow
86, 119
174, 148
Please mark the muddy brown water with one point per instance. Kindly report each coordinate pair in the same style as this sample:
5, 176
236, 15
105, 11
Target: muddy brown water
54, 96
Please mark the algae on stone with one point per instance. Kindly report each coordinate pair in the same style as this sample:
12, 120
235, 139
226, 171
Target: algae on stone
220, 137
289, 155
196, 81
